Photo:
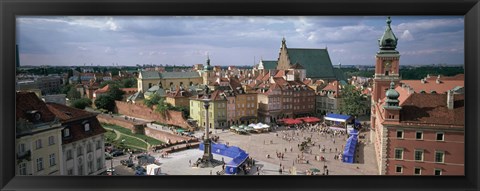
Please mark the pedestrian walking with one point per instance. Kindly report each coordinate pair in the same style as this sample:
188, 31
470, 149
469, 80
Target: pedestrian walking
190, 162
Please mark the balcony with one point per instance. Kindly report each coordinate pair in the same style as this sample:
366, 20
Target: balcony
24, 156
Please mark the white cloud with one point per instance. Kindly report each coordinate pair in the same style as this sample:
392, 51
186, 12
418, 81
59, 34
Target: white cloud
425, 24
407, 36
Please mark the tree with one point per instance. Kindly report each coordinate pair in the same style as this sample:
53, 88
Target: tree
163, 106
73, 94
152, 101
115, 92
81, 103
353, 102
129, 83
105, 102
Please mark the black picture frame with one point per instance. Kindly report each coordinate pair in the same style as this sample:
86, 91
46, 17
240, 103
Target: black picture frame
11, 8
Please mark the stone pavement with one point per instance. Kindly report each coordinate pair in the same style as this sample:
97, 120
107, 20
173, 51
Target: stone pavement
254, 145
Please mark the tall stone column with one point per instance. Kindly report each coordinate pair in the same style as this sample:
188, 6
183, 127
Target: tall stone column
207, 155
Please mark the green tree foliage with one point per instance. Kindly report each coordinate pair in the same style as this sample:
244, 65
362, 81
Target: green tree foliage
73, 94
115, 92
129, 83
353, 102
106, 102
81, 103
163, 106
152, 101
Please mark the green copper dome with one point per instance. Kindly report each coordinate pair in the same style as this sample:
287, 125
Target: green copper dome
392, 94
388, 41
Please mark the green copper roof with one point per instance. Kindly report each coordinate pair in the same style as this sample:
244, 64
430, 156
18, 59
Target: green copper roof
170, 75
392, 95
388, 41
316, 62
339, 74
150, 75
269, 64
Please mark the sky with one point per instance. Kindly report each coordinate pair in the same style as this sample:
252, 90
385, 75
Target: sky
232, 40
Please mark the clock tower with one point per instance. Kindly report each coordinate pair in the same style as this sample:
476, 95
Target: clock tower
386, 64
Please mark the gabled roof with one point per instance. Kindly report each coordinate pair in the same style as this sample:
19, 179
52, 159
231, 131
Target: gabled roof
339, 75
316, 62
269, 64
66, 114
149, 75
74, 119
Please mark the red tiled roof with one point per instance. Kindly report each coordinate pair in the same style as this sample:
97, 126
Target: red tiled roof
103, 90
28, 101
74, 119
65, 113
432, 109
280, 73
446, 83
126, 90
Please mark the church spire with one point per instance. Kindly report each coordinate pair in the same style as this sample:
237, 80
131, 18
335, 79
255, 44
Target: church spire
388, 41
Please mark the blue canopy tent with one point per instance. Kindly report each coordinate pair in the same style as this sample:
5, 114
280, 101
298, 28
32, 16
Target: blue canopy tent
239, 156
338, 117
353, 132
232, 166
338, 120
349, 151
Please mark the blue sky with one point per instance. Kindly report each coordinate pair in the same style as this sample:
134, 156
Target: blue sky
53, 40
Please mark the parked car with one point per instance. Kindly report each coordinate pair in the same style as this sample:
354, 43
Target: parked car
117, 153
140, 171
128, 163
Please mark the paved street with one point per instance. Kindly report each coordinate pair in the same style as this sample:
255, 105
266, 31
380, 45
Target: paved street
178, 163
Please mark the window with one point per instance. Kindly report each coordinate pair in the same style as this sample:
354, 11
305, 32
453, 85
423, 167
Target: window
398, 169
66, 132
440, 136
69, 154
99, 163
417, 171
79, 151
399, 134
39, 164
51, 140
38, 144
437, 172
90, 167
87, 126
89, 147
21, 148
22, 168
70, 171
419, 135
418, 155
439, 156
99, 144
399, 153
52, 159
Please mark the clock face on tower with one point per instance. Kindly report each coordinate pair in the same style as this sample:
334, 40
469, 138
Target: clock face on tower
387, 63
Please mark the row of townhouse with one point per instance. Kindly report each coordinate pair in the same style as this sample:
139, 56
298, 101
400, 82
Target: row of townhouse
53, 139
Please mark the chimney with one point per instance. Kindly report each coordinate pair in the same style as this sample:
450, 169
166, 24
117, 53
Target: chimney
450, 99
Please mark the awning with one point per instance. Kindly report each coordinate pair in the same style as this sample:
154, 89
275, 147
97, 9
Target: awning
310, 119
292, 121
337, 117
